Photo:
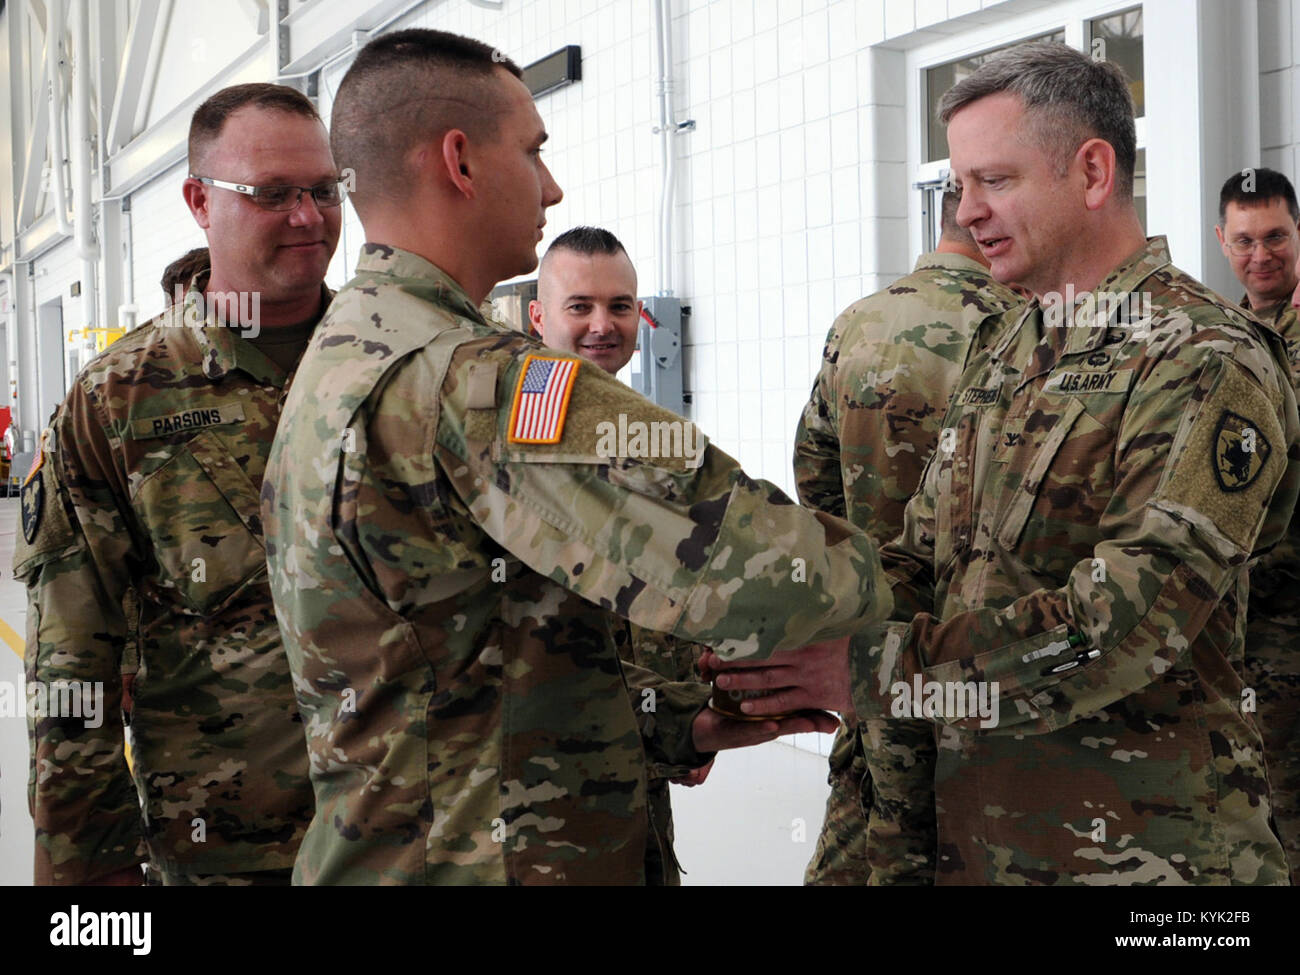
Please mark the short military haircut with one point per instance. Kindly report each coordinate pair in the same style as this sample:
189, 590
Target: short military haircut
949, 228
210, 117
588, 241
1257, 187
406, 87
1068, 99
180, 272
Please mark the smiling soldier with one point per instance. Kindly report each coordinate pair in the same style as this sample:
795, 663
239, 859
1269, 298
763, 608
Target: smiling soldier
146, 491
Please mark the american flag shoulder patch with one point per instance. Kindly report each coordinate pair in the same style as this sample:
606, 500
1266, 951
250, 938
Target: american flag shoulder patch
542, 399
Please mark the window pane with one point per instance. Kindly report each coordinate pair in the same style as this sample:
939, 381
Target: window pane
1118, 38
942, 77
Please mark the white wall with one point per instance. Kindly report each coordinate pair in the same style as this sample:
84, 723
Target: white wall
162, 229
1279, 75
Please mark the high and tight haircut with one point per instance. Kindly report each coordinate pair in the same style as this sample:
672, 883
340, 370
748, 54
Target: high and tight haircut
949, 228
1068, 98
406, 87
587, 241
182, 271
210, 117
1256, 187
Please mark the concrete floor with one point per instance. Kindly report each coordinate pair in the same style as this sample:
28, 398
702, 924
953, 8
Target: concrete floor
755, 821
15, 823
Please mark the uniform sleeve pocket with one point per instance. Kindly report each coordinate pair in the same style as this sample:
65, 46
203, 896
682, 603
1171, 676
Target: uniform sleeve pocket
201, 513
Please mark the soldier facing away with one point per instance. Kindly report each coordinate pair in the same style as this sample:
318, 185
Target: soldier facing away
179, 273
447, 541
1257, 228
871, 423
1072, 574
148, 480
586, 304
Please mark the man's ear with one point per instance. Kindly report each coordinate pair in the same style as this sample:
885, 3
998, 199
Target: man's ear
1097, 157
456, 162
197, 198
535, 316
1218, 232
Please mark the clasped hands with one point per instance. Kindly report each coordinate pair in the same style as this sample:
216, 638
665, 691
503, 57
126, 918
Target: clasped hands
811, 680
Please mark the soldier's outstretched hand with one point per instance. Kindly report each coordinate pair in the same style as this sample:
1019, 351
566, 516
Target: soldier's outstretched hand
694, 777
815, 676
713, 732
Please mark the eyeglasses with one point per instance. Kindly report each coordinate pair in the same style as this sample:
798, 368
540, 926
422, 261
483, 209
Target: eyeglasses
1243, 246
280, 198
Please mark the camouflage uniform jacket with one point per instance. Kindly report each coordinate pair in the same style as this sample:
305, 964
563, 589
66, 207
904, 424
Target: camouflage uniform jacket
150, 480
1275, 581
1081, 540
891, 359
657, 660
1273, 640
446, 588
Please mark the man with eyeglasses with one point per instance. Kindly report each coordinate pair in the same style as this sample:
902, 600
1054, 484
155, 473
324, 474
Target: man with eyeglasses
1258, 216
145, 493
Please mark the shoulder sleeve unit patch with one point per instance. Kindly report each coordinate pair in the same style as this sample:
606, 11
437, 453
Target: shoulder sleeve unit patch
1240, 451
33, 504
541, 399
1227, 469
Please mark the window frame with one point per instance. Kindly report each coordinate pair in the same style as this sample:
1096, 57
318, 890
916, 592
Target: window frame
1072, 17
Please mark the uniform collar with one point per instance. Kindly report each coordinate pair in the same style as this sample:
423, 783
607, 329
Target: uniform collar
950, 262
428, 280
1093, 319
1273, 314
219, 348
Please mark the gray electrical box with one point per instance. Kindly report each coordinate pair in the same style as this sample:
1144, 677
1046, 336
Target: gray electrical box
657, 363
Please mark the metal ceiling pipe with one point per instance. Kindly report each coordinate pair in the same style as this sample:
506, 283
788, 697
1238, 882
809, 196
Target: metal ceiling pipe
55, 60
665, 129
82, 146
83, 208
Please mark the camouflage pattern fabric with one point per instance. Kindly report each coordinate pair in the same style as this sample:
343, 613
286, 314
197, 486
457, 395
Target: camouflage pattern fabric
841, 857
871, 423
673, 660
262, 878
446, 591
150, 480
1081, 540
1273, 641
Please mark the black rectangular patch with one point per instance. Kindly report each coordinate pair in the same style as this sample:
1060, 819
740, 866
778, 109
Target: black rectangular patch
974, 396
195, 419
1081, 383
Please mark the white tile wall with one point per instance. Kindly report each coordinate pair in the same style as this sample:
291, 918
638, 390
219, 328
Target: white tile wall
162, 229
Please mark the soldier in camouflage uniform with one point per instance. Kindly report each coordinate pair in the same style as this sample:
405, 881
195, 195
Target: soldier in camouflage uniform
586, 304
448, 537
1073, 570
870, 425
148, 480
177, 275
1258, 216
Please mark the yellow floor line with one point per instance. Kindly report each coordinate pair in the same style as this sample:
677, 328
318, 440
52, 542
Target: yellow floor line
11, 637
